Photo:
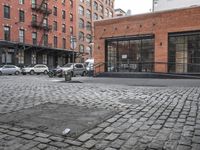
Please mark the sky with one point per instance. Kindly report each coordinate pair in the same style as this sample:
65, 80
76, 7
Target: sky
136, 6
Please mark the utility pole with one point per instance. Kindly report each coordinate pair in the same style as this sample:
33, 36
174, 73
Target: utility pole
73, 46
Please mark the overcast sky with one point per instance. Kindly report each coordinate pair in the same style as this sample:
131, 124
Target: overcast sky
136, 6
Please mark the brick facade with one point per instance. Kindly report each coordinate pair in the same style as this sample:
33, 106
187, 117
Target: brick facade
107, 6
60, 54
159, 24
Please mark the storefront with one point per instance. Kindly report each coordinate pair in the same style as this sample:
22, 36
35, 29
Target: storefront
161, 42
132, 54
24, 55
184, 52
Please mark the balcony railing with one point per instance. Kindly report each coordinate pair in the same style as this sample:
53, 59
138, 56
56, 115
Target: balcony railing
40, 25
41, 9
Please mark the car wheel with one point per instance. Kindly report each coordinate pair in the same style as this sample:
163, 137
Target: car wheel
72, 74
84, 74
0, 73
45, 72
17, 73
32, 72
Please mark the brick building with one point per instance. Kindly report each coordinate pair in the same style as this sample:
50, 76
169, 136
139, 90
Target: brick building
167, 41
43, 31
35, 32
88, 12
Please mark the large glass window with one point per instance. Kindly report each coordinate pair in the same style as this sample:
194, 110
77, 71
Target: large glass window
130, 55
184, 52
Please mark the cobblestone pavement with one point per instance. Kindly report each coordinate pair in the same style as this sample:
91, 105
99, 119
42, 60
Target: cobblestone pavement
149, 117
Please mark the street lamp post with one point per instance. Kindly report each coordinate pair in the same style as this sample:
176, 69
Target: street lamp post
73, 46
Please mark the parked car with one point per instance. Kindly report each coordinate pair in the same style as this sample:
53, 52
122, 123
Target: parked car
10, 69
40, 68
89, 64
78, 69
90, 67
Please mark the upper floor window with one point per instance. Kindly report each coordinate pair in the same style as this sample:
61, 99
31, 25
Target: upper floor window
71, 3
33, 3
21, 16
55, 41
95, 16
45, 22
95, 6
81, 36
81, 10
88, 14
88, 38
110, 14
55, 26
106, 13
6, 11
21, 1
81, 48
63, 2
34, 18
21, 35
55, 11
64, 43
34, 38
45, 40
71, 30
63, 14
88, 26
7, 33
81, 23
88, 2
71, 17
101, 8
63, 28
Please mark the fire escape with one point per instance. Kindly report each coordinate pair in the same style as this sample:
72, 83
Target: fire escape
43, 11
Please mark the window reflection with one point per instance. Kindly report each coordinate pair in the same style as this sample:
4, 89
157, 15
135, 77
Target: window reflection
184, 53
130, 55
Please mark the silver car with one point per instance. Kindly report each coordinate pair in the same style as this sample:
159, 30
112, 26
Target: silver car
78, 69
40, 68
10, 69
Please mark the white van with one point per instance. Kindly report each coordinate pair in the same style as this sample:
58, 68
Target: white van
89, 64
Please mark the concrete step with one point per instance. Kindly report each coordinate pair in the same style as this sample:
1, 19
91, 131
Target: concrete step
148, 75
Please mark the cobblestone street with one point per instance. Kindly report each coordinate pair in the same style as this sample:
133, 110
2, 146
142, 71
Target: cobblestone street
159, 118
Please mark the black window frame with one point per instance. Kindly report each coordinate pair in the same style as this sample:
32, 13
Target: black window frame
6, 11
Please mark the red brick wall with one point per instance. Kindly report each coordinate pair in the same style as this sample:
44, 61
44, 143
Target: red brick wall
15, 25
159, 24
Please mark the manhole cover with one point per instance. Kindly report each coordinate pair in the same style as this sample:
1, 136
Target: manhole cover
131, 101
55, 118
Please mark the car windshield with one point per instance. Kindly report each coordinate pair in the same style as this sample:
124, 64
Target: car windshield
68, 65
29, 66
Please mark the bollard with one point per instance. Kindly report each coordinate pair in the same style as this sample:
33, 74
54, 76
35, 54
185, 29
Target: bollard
68, 76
